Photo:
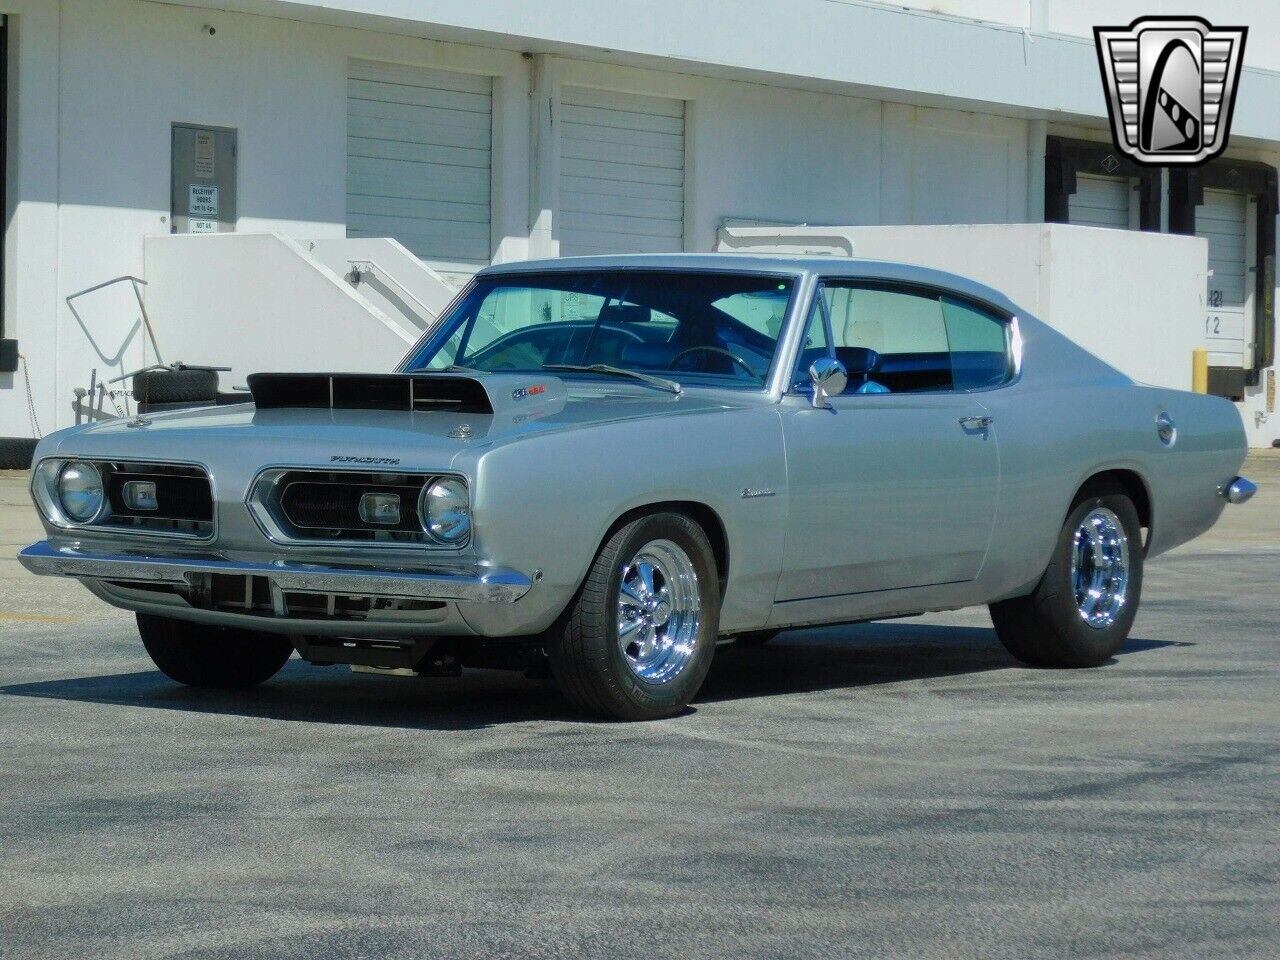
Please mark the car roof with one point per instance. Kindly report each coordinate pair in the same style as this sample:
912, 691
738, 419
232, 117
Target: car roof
825, 266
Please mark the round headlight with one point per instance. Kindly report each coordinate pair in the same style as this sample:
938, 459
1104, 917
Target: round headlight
80, 491
445, 510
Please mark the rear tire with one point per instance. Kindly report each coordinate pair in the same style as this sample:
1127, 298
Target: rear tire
630, 653
204, 656
1081, 611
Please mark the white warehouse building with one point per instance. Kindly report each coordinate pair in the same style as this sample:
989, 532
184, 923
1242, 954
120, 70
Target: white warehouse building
234, 166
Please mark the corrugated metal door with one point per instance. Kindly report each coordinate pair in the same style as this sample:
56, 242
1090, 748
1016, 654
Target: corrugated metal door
1103, 202
621, 173
418, 161
1226, 221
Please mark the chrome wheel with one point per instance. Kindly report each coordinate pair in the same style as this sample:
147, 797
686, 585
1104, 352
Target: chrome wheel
659, 611
1100, 568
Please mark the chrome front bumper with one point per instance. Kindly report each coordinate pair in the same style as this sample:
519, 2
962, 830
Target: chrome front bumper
469, 583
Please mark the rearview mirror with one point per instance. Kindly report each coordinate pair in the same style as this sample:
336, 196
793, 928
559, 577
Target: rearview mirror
829, 378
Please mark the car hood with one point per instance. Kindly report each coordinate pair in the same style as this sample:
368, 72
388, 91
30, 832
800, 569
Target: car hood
428, 439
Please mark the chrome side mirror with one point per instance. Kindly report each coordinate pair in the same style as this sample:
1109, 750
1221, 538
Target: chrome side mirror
829, 378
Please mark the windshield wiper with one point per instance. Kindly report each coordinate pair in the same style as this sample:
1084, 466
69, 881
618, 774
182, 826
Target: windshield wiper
662, 383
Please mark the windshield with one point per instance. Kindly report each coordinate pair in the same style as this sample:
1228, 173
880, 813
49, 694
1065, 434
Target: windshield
717, 328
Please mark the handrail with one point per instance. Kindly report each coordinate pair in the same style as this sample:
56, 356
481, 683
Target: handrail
137, 294
373, 267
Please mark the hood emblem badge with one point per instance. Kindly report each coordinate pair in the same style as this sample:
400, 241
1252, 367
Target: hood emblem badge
138, 421
370, 461
461, 432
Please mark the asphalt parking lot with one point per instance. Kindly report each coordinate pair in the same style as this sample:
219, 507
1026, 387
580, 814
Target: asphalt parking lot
886, 790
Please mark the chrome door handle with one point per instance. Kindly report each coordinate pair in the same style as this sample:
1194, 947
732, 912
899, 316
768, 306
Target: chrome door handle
975, 423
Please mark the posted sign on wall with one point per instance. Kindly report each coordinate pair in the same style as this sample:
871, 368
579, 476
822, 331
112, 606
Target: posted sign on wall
204, 179
203, 201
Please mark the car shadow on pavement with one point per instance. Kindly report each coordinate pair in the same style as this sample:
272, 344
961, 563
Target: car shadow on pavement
801, 661
301, 692
865, 654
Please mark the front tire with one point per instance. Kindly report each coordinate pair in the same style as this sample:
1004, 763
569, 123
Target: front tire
205, 656
638, 640
1081, 611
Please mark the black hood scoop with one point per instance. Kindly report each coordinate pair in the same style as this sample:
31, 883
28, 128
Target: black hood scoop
370, 391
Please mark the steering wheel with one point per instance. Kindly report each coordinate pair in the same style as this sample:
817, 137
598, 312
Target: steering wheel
720, 350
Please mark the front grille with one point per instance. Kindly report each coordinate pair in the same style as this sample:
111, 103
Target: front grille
184, 499
313, 505
236, 593
324, 505
177, 497
232, 593
254, 596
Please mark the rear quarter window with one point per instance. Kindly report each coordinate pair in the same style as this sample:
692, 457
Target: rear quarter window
979, 344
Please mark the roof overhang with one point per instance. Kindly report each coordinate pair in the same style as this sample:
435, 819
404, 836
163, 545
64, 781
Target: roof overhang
849, 47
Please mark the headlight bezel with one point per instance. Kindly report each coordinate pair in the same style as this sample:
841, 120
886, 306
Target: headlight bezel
460, 493
110, 520
265, 506
46, 490
89, 470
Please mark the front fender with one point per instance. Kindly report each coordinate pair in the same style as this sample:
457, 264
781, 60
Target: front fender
546, 502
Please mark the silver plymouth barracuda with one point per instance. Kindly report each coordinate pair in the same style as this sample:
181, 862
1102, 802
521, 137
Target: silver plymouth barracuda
607, 466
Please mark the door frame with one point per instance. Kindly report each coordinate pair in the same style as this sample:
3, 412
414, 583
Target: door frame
1064, 158
1257, 180
796, 391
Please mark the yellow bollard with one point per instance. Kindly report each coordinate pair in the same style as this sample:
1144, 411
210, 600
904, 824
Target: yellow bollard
1200, 370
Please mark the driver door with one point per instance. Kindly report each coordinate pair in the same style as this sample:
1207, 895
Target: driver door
895, 489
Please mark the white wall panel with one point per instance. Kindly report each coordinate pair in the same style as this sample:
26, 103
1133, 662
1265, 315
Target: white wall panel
945, 166
1101, 202
621, 172
419, 165
1223, 220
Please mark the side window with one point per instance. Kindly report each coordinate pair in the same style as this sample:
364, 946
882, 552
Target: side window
904, 328
979, 344
912, 340
888, 321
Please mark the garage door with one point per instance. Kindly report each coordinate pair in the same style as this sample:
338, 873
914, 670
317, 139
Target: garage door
621, 173
1225, 220
418, 161
1103, 202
